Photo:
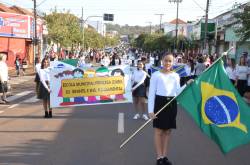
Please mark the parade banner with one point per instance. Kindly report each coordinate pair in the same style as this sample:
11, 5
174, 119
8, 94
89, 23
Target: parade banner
72, 86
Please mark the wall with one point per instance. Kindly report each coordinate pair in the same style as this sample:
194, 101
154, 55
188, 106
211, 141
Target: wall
14, 47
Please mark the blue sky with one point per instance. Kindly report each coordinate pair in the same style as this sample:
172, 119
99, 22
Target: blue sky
132, 12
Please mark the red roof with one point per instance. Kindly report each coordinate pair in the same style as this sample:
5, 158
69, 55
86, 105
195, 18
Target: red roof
5, 8
179, 21
20, 10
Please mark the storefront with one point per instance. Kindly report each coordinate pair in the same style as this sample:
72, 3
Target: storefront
15, 37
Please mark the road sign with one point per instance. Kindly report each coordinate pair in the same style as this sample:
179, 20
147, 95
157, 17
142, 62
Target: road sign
108, 17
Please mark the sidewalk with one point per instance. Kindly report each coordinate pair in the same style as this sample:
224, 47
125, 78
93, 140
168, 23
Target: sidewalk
28, 72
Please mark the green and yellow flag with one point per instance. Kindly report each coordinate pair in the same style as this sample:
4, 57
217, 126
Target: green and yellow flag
217, 108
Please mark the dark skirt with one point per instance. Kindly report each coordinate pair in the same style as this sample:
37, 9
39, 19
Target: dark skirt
248, 88
140, 91
43, 92
242, 86
166, 119
184, 80
232, 81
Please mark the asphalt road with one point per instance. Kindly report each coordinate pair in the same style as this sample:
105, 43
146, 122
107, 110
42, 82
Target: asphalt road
89, 136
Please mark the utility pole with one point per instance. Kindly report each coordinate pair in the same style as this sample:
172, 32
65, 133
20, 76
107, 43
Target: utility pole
177, 22
150, 27
206, 27
160, 20
35, 40
82, 24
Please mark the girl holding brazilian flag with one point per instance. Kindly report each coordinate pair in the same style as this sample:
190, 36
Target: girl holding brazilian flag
216, 107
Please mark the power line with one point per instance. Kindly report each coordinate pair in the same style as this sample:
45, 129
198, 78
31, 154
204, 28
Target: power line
198, 5
41, 3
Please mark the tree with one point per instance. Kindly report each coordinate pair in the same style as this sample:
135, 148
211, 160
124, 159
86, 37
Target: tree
244, 19
63, 28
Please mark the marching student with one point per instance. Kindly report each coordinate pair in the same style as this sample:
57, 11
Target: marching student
241, 76
247, 93
37, 76
230, 69
139, 90
199, 67
164, 86
44, 88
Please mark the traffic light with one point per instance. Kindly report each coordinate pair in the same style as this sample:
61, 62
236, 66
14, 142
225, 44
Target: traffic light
108, 17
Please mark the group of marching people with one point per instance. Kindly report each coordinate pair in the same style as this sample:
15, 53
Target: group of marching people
239, 74
159, 88
165, 84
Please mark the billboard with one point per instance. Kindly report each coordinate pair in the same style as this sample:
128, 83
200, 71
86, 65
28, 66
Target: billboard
14, 25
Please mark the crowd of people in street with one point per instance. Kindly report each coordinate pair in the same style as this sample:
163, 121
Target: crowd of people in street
157, 87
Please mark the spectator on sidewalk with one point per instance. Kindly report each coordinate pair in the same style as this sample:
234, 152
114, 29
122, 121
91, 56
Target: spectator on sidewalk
17, 65
3, 77
24, 65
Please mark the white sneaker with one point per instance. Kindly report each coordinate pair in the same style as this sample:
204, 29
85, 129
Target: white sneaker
137, 116
145, 117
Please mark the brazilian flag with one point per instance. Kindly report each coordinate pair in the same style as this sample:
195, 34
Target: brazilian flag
217, 108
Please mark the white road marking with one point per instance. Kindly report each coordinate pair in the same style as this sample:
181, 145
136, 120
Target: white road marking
13, 106
19, 80
31, 100
16, 96
121, 123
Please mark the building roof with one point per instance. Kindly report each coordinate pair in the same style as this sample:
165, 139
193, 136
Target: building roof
20, 10
179, 21
4, 8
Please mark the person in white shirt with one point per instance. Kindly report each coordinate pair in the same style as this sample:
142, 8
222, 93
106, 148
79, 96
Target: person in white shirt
231, 70
164, 86
139, 90
3, 77
37, 76
105, 61
44, 89
241, 76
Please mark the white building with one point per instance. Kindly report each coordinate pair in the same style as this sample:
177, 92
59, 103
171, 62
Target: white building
170, 27
99, 26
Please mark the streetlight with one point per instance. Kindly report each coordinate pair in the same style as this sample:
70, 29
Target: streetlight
83, 22
177, 17
160, 20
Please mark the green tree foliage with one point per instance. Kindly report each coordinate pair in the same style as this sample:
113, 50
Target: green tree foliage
63, 28
152, 42
244, 19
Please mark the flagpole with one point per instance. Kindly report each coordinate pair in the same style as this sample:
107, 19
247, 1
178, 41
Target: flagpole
148, 121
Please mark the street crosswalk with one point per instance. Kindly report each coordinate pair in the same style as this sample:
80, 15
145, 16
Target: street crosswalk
19, 80
31, 100
18, 95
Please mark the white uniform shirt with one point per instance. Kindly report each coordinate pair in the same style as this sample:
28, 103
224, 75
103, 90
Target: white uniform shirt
163, 85
241, 72
3, 71
138, 77
248, 80
44, 76
231, 73
148, 66
105, 61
